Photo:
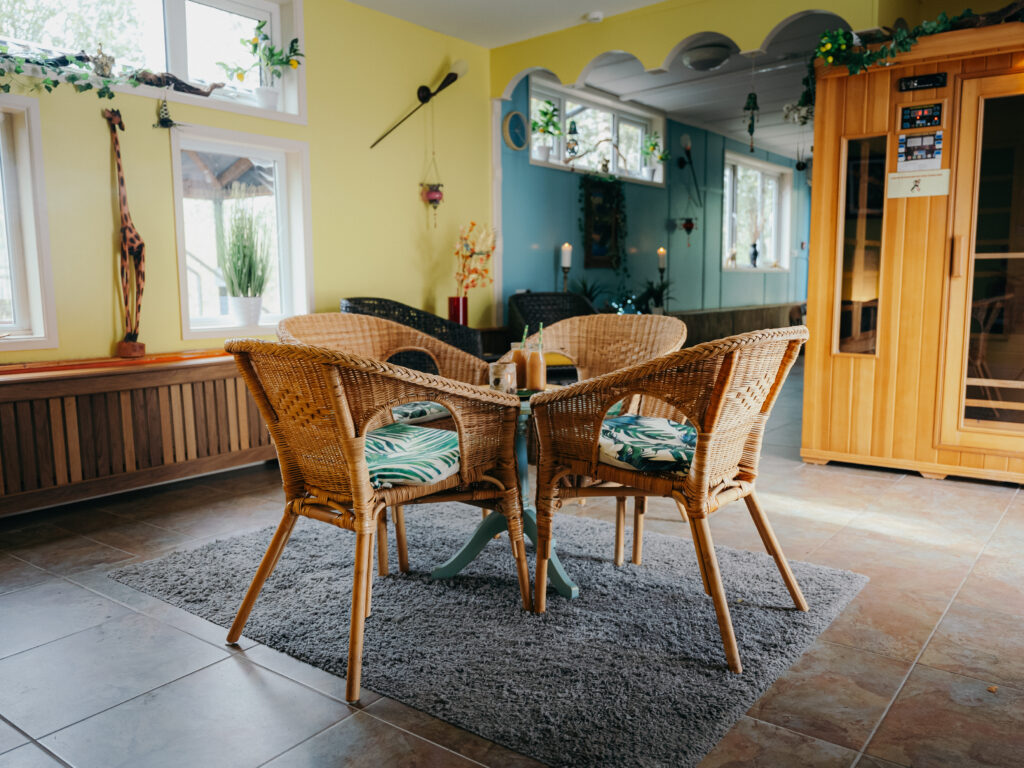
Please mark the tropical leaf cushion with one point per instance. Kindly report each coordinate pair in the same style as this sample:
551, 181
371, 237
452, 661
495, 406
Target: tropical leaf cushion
404, 454
647, 444
419, 413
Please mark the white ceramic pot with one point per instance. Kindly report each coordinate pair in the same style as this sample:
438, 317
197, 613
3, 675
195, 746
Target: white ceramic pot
267, 97
544, 153
245, 310
657, 310
649, 172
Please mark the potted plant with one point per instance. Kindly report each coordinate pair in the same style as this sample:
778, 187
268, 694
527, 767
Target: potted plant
547, 125
271, 62
653, 153
654, 297
244, 257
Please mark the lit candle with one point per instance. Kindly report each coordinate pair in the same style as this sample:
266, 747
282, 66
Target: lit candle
566, 256
662, 256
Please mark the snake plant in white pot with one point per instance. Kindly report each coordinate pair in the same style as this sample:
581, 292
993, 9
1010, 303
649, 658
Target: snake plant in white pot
244, 257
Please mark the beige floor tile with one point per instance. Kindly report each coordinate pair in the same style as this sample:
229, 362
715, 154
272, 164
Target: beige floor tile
757, 744
941, 720
978, 642
833, 693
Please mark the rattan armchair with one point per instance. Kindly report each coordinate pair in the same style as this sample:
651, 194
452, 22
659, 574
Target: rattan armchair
720, 394
382, 340
465, 338
533, 308
322, 408
599, 344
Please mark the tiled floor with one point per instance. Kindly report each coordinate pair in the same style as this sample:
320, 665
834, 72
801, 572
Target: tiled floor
924, 668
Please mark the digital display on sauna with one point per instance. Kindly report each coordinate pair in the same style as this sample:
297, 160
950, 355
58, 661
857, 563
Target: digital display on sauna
862, 244
921, 116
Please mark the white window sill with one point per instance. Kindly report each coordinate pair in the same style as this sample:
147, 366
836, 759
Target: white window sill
230, 331
16, 343
240, 106
578, 169
757, 270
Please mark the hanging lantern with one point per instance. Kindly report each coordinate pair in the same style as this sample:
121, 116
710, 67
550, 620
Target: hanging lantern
689, 224
433, 196
753, 109
572, 144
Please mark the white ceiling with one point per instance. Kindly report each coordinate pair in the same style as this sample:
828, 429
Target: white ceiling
493, 23
715, 100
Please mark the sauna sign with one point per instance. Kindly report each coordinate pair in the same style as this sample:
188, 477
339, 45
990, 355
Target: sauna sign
919, 152
918, 184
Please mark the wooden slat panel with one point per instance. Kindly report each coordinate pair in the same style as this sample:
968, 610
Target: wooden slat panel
115, 432
856, 92
43, 443
74, 446
232, 398
877, 110
888, 327
166, 430
223, 438
189, 414
840, 404
242, 396
26, 447
9, 448
210, 398
156, 453
101, 432
127, 430
255, 421
140, 429
60, 448
177, 423
862, 408
86, 438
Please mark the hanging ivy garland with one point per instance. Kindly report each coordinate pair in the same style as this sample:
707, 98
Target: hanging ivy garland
602, 207
842, 48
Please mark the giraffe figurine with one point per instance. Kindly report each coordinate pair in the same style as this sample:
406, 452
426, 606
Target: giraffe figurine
133, 252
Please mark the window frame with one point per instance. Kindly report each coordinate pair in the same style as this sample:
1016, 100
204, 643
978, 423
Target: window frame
783, 212
648, 120
35, 325
294, 223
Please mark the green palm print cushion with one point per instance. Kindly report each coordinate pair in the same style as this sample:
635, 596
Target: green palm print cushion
404, 454
647, 444
419, 413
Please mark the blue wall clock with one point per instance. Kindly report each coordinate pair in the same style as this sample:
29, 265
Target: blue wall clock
514, 131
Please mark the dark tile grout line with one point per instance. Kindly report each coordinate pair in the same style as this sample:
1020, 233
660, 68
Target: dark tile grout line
863, 750
798, 733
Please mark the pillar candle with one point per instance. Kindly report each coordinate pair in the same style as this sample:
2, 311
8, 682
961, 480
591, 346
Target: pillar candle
662, 255
566, 256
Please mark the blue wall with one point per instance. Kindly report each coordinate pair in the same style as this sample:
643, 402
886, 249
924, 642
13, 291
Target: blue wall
540, 211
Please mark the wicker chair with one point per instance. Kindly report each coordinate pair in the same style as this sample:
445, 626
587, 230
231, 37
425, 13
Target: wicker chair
466, 339
325, 410
714, 400
599, 344
532, 309
382, 340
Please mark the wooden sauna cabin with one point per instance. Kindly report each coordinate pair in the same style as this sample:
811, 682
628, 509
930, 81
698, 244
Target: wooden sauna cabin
916, 285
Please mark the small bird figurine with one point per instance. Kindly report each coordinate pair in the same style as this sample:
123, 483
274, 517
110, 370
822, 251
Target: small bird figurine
163, 116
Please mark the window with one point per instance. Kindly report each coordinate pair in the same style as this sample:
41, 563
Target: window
605, 137
755, 214
27, 314
185, 37
221, 175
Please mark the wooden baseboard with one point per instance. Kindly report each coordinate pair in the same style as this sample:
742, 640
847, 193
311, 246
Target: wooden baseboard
927, 469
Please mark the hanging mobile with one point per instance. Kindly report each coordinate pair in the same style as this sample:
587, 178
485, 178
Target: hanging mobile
430, 191
163, 116
751, 107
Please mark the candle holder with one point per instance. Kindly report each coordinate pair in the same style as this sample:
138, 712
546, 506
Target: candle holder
565, 279
661, 274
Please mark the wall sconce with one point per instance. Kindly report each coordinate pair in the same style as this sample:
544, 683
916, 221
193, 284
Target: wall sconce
424, 94
686, 159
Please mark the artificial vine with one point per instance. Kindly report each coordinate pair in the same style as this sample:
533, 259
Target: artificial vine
842, 48
610, 212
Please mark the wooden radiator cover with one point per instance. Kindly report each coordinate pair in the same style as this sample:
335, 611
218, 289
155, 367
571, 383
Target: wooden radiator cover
73, 432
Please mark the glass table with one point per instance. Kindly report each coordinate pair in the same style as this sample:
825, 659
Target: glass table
494, 523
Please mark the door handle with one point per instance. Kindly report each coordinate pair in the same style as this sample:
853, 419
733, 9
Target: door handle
957, 262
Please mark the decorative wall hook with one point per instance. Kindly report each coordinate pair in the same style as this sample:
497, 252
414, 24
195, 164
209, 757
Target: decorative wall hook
424, 94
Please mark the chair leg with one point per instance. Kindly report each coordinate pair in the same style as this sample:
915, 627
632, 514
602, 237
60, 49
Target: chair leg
369, 577
382, 545
540, 578
620, 528
522, 568
696, 546
702, 532
771, 544
398, 513
273, 554
639, 511
360, 591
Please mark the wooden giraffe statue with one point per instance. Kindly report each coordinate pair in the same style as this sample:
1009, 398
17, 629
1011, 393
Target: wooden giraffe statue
133, 252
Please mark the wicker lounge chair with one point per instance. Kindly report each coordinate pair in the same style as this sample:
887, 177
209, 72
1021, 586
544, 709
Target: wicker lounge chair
466, 339
343, 460
532, 309
698, 443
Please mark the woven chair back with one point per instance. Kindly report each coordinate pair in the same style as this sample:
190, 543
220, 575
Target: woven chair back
459, 336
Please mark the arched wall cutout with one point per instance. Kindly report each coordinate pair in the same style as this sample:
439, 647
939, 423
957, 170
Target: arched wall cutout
506, 94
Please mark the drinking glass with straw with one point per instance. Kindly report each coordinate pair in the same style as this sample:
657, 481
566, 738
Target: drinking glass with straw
536, 368
519, 358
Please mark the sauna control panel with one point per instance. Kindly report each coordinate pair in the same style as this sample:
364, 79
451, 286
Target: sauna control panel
921, 116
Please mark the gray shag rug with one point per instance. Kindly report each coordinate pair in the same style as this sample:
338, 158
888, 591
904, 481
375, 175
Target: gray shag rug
631, 673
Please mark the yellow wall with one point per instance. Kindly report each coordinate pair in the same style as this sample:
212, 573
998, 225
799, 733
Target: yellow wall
371, 233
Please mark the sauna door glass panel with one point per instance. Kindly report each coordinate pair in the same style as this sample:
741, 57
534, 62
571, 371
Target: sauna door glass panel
995, 357
861, 214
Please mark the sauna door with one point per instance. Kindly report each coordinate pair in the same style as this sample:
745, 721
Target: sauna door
982, 403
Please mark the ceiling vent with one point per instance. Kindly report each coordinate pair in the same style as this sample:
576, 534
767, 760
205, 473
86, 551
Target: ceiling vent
705, 58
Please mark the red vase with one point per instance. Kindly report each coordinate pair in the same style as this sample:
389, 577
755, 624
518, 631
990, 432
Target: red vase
458, 309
